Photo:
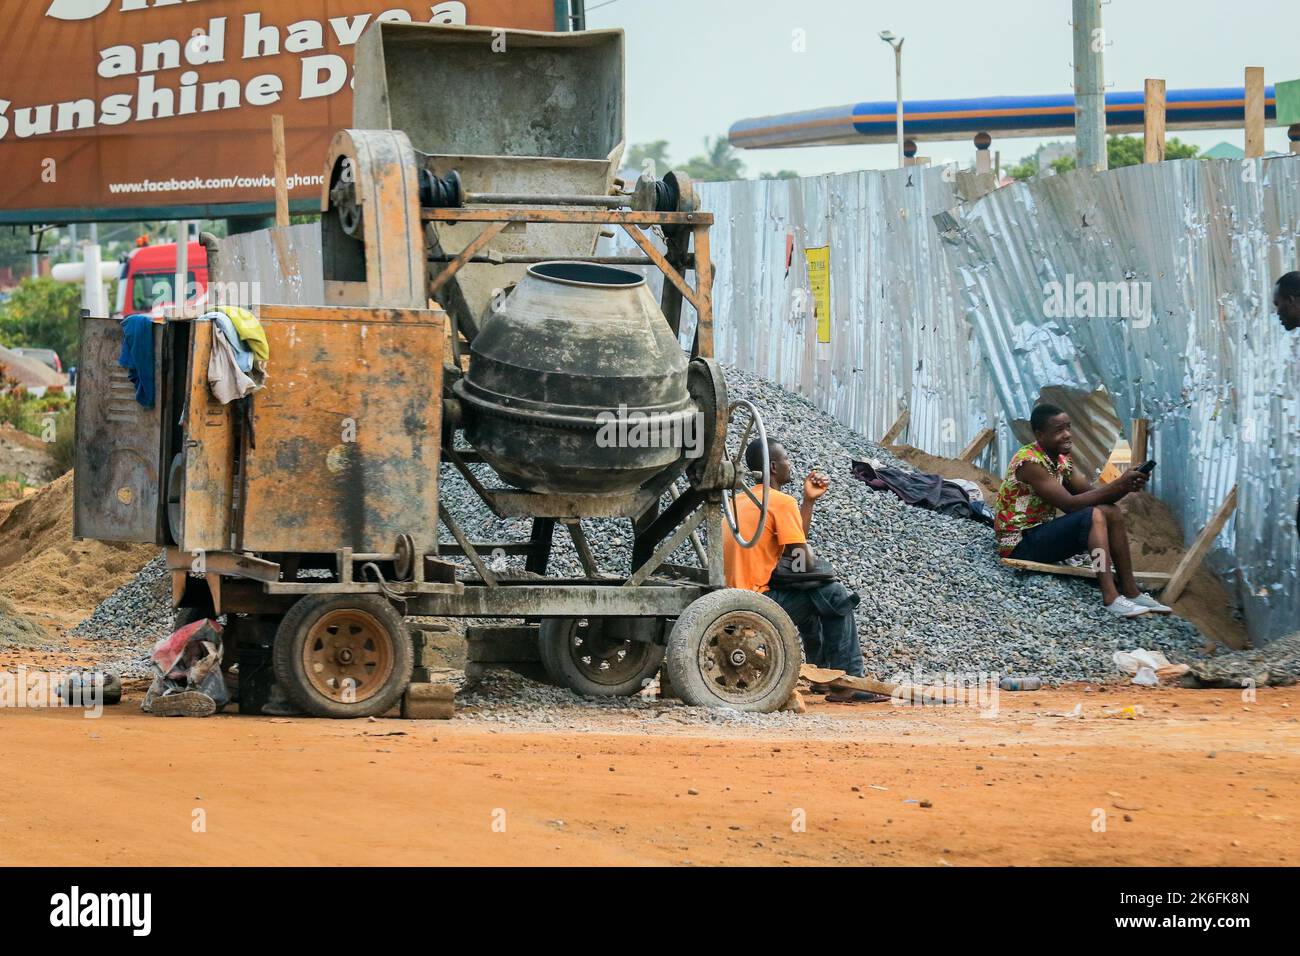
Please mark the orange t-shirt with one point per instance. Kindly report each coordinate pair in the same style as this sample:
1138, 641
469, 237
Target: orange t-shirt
750, 568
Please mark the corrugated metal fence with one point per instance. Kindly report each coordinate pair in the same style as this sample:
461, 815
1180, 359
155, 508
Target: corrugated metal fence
950, 310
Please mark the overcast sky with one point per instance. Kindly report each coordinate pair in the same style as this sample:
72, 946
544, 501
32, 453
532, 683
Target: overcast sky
696, 66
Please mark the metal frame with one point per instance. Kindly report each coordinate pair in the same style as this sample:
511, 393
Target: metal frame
655, 588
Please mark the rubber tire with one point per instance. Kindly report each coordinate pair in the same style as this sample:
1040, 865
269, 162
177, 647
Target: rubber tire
683, 648
553, 644
286, 656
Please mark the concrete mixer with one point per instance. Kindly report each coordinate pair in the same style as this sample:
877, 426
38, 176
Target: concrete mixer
469, 322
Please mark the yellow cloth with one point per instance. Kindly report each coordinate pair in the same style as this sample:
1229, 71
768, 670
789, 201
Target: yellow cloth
249, 329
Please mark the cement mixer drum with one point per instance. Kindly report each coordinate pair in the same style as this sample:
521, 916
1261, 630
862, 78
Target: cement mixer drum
576, 384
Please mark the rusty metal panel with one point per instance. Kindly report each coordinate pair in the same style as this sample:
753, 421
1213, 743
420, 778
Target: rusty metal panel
116, 494
206, 497
347, 431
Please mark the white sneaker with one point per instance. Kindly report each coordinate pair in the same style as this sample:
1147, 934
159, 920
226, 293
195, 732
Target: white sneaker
1151, 604
1123, 607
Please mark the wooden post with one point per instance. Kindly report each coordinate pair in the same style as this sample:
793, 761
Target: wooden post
1138, 443
1254, 112
896, 429
977, 445
281, 171
1200, 547
1154, 126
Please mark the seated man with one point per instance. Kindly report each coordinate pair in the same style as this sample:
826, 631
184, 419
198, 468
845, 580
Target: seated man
823, 613
1041, 480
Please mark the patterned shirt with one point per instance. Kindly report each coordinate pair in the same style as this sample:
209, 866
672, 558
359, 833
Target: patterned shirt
1018, 506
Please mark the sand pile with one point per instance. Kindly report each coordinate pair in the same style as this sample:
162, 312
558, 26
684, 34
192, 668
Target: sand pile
48, 575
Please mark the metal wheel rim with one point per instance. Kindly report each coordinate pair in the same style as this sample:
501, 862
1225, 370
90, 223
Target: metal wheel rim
601, 657
348, 645
730, 678
739, 468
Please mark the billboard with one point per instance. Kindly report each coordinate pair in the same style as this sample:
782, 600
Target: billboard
148, 109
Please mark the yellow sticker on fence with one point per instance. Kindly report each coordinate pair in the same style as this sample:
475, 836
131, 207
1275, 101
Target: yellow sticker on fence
819, 279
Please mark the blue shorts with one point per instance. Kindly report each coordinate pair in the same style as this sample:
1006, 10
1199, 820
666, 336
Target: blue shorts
1056, 540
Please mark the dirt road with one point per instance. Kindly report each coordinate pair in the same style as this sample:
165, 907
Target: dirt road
1201, 777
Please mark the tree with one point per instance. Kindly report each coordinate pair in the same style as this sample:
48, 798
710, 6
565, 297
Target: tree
43, 313
1120, 151
14, 243
780, 174
720, 163
656, 152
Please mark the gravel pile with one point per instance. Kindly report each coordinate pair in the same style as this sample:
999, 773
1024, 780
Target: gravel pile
504, 697
1276, 663
935, 598
126, 624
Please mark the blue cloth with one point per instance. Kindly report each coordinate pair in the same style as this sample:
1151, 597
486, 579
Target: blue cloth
824, 617
1057, 539
137, 356
243, 354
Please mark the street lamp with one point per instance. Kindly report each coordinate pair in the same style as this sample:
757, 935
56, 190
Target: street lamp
897, 44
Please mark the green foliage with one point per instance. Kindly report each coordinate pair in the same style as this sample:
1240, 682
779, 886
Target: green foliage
780, 174
46, 314
1120, 151
1024, 170
720, 162
655, 152
13, 248
33, 415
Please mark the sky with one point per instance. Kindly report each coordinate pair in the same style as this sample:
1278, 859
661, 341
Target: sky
694, 67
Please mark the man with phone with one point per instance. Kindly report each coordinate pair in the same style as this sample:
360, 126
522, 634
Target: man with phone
1042, 480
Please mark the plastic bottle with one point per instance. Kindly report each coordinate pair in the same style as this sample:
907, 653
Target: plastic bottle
1021, 683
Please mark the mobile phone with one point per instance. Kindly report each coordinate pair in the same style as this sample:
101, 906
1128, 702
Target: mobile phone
1148, 467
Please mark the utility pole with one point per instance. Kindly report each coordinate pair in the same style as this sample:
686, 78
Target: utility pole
897, 44
1089, 86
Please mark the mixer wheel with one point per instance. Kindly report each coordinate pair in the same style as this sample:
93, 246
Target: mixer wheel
737, 649
601, 656
343, 655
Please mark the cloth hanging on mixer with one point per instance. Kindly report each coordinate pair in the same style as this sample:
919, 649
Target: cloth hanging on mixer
226, 379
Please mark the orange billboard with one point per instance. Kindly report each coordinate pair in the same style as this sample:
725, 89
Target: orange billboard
135, 109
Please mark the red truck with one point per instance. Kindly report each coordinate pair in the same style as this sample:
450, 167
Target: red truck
149, 274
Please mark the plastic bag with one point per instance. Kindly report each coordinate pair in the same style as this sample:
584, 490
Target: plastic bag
189, 659
1147, 667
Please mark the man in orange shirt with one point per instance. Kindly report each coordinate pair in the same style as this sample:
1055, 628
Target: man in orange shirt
823, 612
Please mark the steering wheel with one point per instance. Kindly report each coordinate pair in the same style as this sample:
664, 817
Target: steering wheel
739, 468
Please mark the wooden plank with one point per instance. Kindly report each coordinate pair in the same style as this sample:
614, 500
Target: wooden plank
896, 429
704, 306
1200, 547
1138, 443
977, 445
1254, 112
281, 171
1144, 578
1154, 122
